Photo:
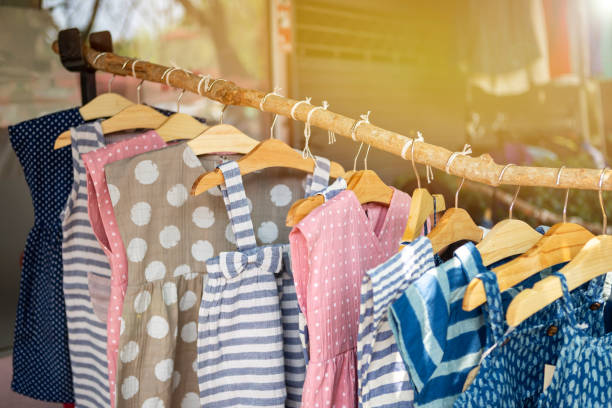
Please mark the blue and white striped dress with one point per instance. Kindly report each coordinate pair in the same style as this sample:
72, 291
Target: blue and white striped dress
86, 282
382, 376
240, 334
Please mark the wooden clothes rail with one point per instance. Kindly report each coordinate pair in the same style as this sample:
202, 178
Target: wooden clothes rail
481, 169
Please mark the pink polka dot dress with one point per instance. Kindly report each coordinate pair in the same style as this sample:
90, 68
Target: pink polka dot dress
331, 249
102, 197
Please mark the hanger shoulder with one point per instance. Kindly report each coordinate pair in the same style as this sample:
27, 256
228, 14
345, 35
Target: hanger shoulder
269, 153
455, 225
104, 106
62, 140
180, 126
369, 187
592, 261
561, 243
507, 238
133, 117
421, 207
222, 138
302, 208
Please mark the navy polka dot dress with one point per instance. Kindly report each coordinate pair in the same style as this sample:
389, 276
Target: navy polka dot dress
41, 361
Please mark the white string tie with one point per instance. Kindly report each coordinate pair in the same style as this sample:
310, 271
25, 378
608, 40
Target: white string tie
98, 56
408, 145
364, 119
213, 84
275, 92
203, 79
467, 150
307, 130
306, 100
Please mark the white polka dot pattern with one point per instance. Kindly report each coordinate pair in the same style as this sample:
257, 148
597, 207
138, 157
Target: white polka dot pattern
104, 198
32, 142
331, 249
176, 288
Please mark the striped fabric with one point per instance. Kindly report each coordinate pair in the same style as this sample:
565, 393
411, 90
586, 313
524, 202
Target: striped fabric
319, 179
294, 357
240, 338
439, 341
382, 377
86, 282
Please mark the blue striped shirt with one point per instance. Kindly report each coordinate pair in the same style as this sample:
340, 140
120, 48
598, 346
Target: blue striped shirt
382, 377
439, 341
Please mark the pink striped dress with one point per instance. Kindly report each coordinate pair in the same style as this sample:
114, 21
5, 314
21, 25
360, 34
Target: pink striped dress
331, 249
101, 198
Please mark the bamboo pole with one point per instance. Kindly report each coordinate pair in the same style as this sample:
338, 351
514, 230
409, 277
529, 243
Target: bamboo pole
481, 169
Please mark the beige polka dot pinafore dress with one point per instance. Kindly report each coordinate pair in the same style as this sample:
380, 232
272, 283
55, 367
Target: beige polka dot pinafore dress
169, 235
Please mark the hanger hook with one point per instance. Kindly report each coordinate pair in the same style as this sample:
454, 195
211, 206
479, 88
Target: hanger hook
601, 203
365, 159
222, 112
357, 156
467, 149
138, 89
416, 173
178, 101
457, 192
566, 194
110, 83
499, 180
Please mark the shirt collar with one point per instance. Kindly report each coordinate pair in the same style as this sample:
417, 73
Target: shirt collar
470, 260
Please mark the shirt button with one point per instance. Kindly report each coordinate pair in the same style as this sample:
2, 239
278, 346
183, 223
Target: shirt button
595, 306
552, 330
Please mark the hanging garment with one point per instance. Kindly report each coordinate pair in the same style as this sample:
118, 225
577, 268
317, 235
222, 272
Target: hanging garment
294, 327
382, 376
169, 235
41, 360
556, 14
511, 372
584, 368
86, 281
441, 343
331, 248
101, 198
240, 340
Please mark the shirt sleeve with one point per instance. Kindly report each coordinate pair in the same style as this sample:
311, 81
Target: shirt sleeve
419, 320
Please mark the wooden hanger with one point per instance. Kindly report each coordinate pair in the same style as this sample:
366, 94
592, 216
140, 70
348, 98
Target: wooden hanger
421, 204
102, 106
592, 260
366, 184
301, 208
454, 226
180, 125
222, 138
508, 237
421, 208
269, 153
369, 188
560, 244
